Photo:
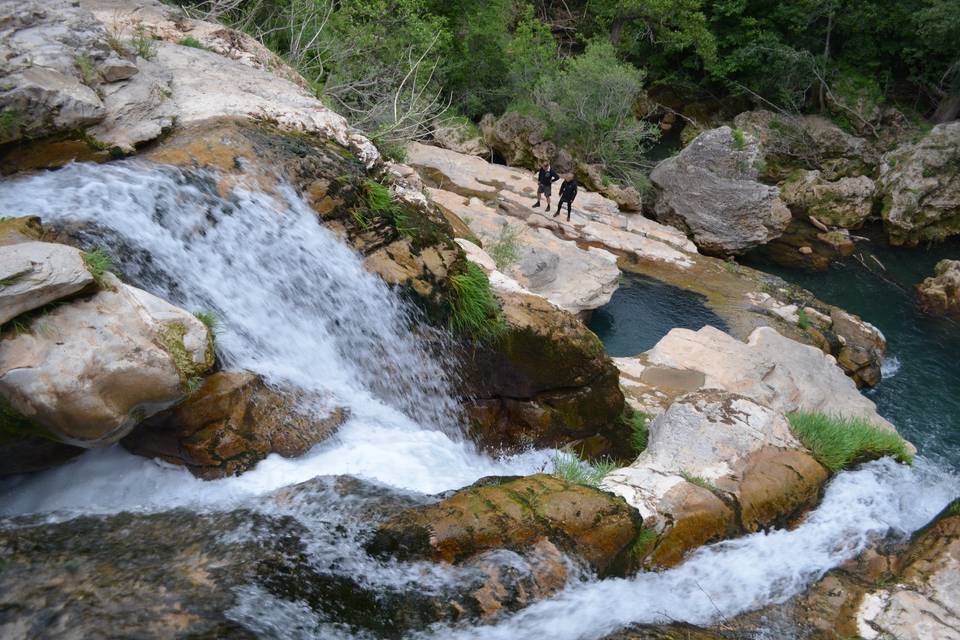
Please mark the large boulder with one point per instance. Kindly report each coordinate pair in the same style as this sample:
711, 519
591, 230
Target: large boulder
717, 464
514, 514
940, 294
87, 372
547, 382
521, 141
845, 203
231, 423
919, 184
34, 274
768, 368
461, 137
710, 191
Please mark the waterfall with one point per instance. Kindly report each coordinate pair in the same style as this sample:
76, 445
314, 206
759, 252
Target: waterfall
297, 307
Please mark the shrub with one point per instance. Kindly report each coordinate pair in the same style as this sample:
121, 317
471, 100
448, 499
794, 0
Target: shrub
567, 466
839, 442
473, 309
505, 250
98, 263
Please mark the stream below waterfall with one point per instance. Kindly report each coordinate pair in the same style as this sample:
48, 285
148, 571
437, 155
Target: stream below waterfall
297, 306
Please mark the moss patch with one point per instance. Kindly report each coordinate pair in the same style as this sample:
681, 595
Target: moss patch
171, 339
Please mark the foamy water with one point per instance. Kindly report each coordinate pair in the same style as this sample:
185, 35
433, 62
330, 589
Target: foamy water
297, 307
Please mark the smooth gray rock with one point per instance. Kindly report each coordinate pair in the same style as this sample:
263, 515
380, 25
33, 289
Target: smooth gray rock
33, 274
710, 191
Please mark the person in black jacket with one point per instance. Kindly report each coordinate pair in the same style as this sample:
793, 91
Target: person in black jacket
568, 191
545, 179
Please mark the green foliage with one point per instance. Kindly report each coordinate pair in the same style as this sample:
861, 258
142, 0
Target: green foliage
639, 425
143, 43
739, 139
473, 309
10, 123
954, 508
192, 42
377, 196
838, 442
210, 320
588, 107
505, 250
87, 69
803, 320
567, 466
98, 263
391, 149
643, 542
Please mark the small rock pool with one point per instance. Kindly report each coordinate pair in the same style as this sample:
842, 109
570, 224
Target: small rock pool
643, 310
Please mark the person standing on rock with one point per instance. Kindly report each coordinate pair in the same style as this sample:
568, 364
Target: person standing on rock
545, 179
568, 191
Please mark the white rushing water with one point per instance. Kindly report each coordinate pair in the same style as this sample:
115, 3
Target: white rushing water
297, 307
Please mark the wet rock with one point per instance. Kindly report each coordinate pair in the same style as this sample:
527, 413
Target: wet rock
546, 383
20, 453
231, 423
940, 294
845, 203
90, 370
919, 185
770, 369
710, 191
514, 514
34, 274
717, 464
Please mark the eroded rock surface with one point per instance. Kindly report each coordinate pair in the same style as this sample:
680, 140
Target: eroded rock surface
940, 294
845, 203
33, 274
920, 187
710, 191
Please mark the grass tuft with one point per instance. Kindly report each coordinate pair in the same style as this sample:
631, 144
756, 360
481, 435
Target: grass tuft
143, 43
98, 263
209, 319
803, 320
10, 123
192, 42
505, 250
473, 308
569, 467
840, 442
739, 139
88, 71
643, 542
639, 425
700, 481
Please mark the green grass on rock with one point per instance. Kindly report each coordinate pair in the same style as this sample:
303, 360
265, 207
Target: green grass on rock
838, 442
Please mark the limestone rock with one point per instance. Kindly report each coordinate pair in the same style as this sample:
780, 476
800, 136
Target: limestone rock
89, 371
920, 187
807, 142
572, 278
710, 191
940, 294
770, 369
717, 464
459, 138
846, 202
33, 274
231, 423
514, 514
520, 139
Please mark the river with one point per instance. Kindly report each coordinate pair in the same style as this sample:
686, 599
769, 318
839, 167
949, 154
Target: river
297, 306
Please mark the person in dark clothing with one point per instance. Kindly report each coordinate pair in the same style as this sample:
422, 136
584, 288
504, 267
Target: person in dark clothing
568, 191
545, 179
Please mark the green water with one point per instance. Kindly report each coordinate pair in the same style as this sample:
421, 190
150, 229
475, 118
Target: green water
920, 392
